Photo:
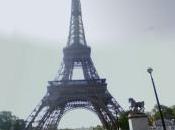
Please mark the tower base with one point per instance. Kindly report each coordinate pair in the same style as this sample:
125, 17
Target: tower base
138, 121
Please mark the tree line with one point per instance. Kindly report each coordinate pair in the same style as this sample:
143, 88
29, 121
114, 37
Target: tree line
8, 121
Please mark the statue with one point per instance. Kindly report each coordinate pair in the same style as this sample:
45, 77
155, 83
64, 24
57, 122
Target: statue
136, 107
138, 120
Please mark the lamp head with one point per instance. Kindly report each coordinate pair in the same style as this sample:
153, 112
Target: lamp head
149, 70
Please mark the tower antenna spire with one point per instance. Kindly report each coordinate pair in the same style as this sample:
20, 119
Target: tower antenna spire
76, 29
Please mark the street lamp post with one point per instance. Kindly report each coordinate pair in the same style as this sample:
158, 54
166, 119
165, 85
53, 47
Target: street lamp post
150, 70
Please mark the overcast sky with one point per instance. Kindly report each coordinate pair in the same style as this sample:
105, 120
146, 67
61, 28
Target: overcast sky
126, 37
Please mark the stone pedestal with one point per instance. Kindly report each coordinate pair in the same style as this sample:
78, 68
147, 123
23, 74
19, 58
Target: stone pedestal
138, 121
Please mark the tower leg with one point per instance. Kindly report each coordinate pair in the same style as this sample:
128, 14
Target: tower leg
43, 120
101, 117
108, 119
33, 116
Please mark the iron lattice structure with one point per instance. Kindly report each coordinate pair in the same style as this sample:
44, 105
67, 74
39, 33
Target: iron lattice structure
65, 93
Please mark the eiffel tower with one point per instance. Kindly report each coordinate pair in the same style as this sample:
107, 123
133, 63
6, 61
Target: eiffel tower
65, 93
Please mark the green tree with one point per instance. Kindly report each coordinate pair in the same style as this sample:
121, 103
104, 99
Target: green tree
168, 112
98, 127
150, 118
9, 121
6, 120
123, 121
19, 124
173, 109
